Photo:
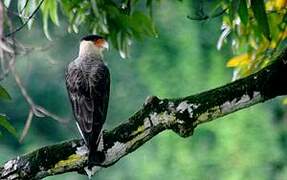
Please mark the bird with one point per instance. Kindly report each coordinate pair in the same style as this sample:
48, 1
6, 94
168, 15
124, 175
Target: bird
88, 85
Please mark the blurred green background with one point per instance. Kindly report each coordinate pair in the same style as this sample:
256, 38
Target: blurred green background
183, 60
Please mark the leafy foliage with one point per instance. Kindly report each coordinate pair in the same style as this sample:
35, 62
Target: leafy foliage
4, 94
26, 9
257, 29
119, 21
258, 9
4, 123
7, 125
49, 11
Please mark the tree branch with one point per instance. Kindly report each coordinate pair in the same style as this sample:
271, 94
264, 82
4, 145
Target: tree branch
181, 115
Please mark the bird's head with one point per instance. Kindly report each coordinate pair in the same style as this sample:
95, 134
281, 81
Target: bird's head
93, 45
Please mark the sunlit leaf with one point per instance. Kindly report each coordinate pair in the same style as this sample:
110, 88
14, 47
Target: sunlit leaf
273, 44
239, 60
21, 4
4, 94
30, 23
243, 12
7, 125
258, 9
285, 101
49, 9
53, 9
45, 26
226, 29
45, 14
27, 12
279, 4
75, 28
7, 3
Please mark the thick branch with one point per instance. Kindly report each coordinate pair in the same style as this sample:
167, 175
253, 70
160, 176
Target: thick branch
181, 115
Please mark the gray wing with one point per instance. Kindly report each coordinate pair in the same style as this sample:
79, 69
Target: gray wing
89, 89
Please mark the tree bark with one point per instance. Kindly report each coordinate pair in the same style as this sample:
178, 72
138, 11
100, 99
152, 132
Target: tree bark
181, 115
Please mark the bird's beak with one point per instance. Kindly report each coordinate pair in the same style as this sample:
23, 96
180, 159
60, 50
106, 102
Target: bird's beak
106, 45
102, 44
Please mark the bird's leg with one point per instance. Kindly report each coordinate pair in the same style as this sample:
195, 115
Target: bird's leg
98, 157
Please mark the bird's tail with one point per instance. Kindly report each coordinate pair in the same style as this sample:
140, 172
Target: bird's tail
95, 158
96, 155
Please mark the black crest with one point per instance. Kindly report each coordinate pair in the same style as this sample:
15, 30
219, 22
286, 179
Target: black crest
91, 38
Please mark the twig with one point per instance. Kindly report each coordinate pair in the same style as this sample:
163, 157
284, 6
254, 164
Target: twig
26, 22
27, 50
1, 20
206, 17
21, 87
49, 114
2, 63
10, 53
22, 49
34, 108
27, 126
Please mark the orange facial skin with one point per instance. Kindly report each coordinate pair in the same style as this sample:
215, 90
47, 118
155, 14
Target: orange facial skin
100, 43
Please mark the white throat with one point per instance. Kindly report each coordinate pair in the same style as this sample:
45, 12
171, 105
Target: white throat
88, 48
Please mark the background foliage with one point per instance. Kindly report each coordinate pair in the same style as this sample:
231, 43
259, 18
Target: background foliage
171, 56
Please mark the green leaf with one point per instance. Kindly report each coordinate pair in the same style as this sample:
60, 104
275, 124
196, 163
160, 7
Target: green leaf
274, 20
234, 8
258, 9
54, 12
45, 26
142, 24
30, 7
45, 14
7, 3
4, 94
7, 125
243, 12
21, 4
